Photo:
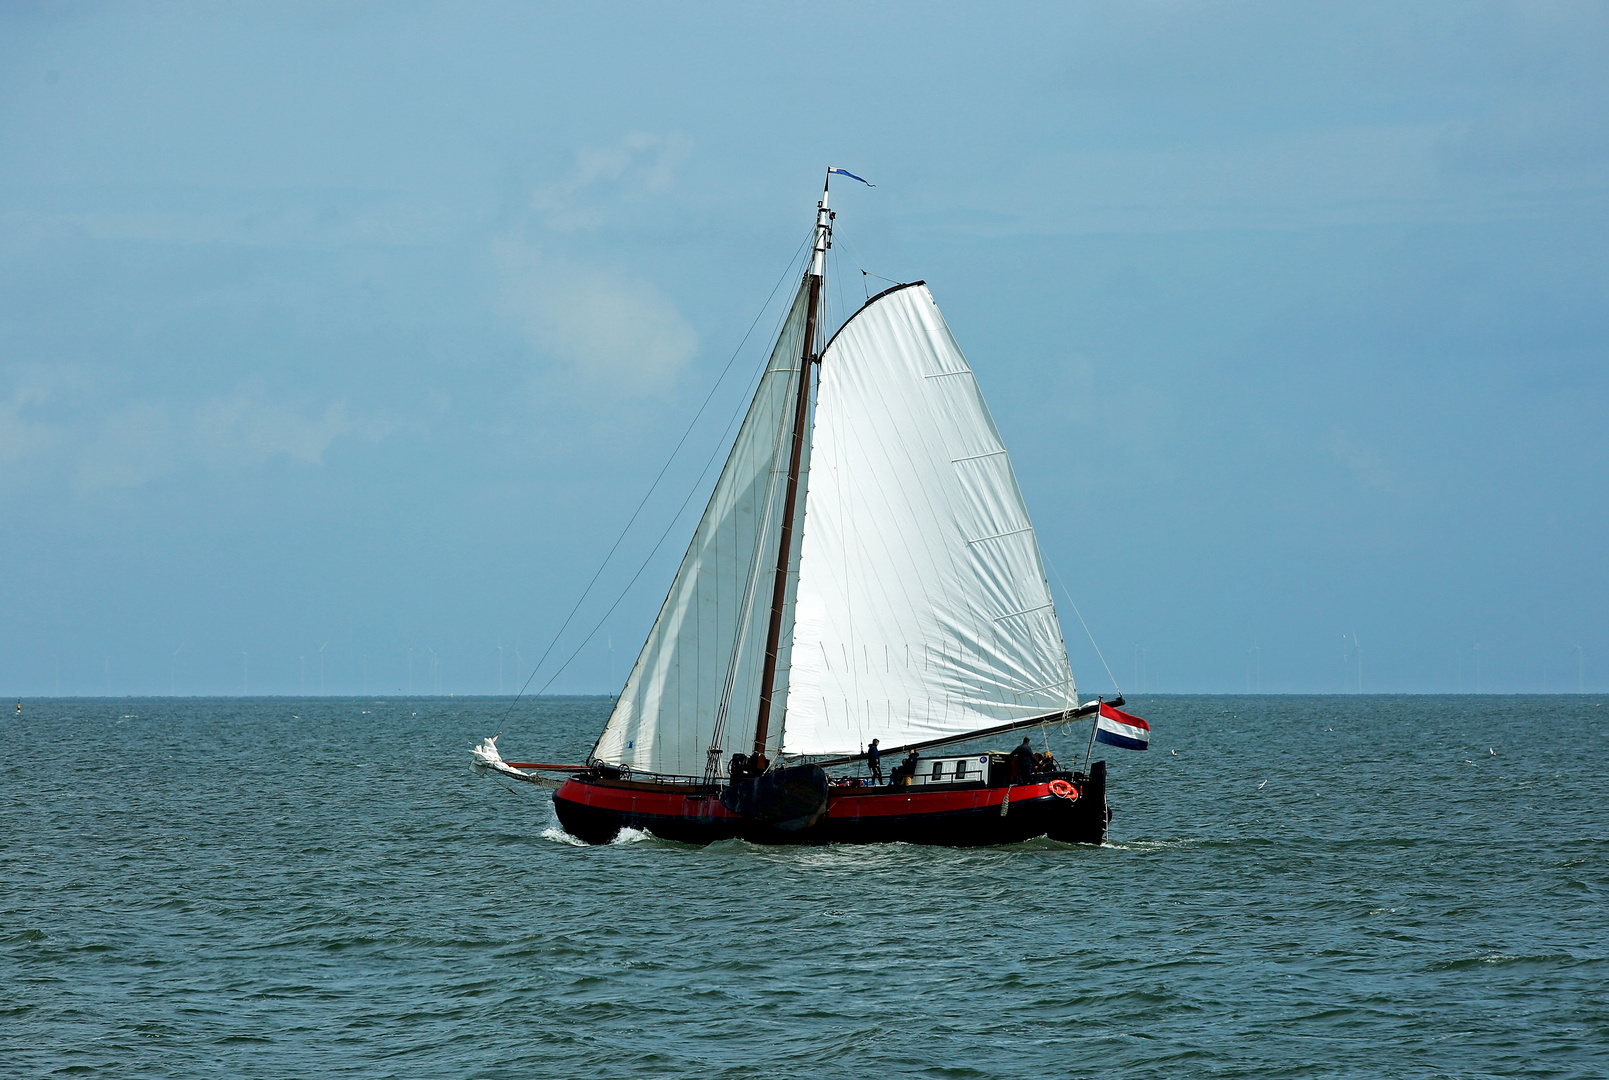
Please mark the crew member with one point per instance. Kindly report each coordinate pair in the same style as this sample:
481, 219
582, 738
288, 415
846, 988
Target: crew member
1022, 762
901, 776
874, 759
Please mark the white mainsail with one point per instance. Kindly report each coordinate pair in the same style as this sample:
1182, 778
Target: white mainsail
697, 680
923, 610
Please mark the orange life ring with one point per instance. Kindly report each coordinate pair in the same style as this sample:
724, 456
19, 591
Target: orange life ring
1063, 789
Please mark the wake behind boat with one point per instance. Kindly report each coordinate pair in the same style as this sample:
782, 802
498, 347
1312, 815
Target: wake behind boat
864, 583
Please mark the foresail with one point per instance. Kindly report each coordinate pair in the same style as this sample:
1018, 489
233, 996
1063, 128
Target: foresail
700, 667
923, 608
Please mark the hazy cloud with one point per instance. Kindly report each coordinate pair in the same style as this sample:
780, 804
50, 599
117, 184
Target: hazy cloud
608, 330
246, 429
135, 445
21, 436
145, 440
605, 177
1368, 467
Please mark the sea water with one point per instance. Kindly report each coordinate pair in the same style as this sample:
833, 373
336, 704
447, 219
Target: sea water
1294, 887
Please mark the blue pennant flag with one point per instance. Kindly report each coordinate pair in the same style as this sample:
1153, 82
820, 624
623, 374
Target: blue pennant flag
852, 176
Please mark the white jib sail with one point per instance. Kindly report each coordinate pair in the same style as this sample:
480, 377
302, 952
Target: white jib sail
923, 608
714, 619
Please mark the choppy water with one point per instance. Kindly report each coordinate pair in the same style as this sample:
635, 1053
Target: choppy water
1308, 887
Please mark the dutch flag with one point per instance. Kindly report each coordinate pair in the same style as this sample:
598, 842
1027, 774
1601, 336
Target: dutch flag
1120, 729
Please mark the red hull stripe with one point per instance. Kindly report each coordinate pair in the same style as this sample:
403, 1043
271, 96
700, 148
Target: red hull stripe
635, 801
841, 805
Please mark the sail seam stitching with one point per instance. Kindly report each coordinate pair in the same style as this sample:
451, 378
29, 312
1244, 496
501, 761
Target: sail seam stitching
997, 536
1036, 689
975, 457
1024, 611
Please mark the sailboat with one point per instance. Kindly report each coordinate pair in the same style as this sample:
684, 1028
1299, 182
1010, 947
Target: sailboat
865, 570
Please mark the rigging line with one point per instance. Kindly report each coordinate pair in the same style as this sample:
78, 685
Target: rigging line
858, 259
1082, 623
742, 409
659, 543
837, 272
751, 582
654, 486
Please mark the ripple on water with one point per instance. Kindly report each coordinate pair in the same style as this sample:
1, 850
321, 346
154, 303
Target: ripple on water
227, 899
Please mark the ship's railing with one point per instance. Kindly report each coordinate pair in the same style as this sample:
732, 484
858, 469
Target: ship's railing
605, 771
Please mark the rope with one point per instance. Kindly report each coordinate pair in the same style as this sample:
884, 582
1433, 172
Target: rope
741, 409
865, 273
1084, 624
651, 489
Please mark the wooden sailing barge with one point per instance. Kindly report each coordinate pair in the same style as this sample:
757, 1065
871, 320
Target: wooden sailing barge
865, 569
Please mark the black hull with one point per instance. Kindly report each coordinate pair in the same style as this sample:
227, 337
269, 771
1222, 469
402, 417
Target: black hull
694, 821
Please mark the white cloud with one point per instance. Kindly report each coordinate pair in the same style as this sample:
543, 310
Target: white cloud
605, 177
606, 329
248, 429
144, 440
134, 446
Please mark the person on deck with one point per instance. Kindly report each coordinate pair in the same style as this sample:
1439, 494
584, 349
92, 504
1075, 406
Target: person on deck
901, 776
874, 759
1022, 762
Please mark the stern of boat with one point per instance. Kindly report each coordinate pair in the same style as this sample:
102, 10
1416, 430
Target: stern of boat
1084, 820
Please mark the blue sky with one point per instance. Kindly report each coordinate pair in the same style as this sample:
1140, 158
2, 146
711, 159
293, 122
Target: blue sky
364, 328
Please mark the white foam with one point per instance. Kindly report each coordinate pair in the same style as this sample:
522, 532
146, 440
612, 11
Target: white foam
625, 836
558, 835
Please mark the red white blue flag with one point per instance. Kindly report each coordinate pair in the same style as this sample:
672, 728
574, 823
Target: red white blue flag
1119, 728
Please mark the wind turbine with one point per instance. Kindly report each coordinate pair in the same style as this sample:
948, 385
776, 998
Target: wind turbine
435, 668
244, 672
1358, 650
409, 651
1477, 667
302, 690
1580, 682
500, 652
173, 666
321, 669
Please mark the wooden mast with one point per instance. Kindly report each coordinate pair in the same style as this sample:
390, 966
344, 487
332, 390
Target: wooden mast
807, 361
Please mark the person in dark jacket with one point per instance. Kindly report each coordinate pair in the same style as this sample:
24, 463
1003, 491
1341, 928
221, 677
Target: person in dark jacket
1022, 762
874, 759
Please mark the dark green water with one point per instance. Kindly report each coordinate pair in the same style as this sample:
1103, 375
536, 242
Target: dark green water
1309, 887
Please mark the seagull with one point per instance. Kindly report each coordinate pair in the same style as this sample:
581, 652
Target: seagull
1176, 753
1494, 752
1260, 786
